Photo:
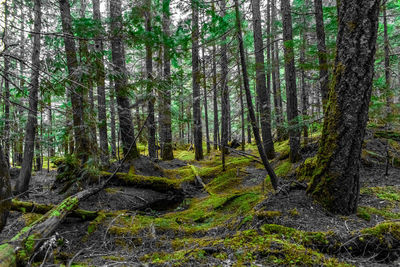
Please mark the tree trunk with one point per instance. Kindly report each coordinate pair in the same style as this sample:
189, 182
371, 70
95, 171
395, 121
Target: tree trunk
22, 183
120, 80
113, 129
322, 53
100, 82
263, 89
165, 103
304, 95
205, 101
335, 182
87, 86
215, 99
263, 156
6, 130
241, 105
149, 71
290, 79
82, 147
5, 192
387, 64
224, 91
197, 133
276, 85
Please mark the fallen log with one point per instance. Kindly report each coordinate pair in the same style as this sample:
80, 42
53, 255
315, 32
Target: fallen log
19, 250
22, 206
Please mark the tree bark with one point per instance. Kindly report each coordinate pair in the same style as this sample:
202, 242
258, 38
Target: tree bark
290, 79
120, 81
165, 115
215, 99
6, 130
263, 89
304, 95
5, 189
263, 156
82, 147
387, 63
22, 183
205, 101
335, 181
322, 52
224, 91
100, 82
276, 85
113, 129
197, 132
149, 71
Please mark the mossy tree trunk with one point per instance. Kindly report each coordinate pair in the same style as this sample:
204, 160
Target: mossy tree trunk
335, 181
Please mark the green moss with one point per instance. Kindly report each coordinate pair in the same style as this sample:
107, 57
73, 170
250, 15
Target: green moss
156, 183
362, 212
389, 193
268, 214
284, 168
384, 230
386, 213
29, 218
305, 171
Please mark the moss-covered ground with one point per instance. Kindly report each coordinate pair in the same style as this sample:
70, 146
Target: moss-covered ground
235, 220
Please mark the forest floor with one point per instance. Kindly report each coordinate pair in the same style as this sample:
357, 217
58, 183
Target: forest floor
235, 220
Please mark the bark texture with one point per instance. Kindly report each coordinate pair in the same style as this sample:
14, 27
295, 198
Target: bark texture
5, 189
224, 91
263, 91
24, 177
120, 82
77, 99
100, 81
322, 53
197, 133
290, 79
149, 71
335, 180
165, 103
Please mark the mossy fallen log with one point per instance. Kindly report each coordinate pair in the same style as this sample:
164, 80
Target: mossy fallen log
22, 206
23, 246
159, 184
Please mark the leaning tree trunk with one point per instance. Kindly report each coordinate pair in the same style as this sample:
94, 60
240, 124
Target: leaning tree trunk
100, 81
322, 53
5, 191
120, 82
290, 78
24, 177
263, 91
165, 116
271, 173
335, 180
82, 144
197, 133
